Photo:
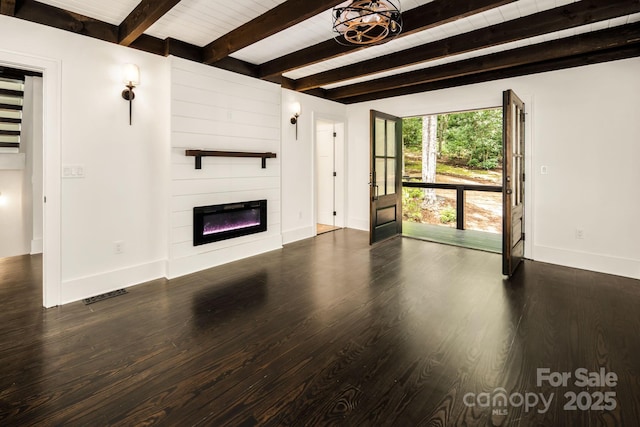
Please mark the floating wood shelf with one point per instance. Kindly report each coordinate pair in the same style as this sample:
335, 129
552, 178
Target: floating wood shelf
199, 154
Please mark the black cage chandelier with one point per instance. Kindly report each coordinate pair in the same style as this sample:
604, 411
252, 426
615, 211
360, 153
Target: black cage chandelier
365, 22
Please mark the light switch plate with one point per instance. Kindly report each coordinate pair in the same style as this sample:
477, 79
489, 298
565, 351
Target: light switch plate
73, 171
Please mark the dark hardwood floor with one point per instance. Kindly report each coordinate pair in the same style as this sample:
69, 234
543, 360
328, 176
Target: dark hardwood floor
327, 331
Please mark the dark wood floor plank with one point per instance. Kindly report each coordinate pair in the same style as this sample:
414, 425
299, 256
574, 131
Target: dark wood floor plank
327, 331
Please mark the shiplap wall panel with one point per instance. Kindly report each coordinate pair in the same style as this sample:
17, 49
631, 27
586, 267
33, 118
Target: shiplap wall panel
234, 88
188, 202
215, 142
213, 168
207, 186
224, 128
213, 109
209, 112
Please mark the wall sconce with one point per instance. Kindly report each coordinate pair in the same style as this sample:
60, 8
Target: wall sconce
296, 113
131, 78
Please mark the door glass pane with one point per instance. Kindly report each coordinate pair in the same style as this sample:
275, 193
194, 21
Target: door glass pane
391, 138
514, 157
379, 135
391, 176
380, 176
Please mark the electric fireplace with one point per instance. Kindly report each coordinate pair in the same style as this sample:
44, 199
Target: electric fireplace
221, 222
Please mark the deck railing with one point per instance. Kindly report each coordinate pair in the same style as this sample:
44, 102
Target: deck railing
460, 190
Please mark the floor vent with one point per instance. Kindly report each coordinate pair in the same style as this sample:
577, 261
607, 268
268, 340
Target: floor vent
104, 296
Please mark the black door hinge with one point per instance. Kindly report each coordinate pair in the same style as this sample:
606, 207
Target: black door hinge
335, 134
335, 174
335, 213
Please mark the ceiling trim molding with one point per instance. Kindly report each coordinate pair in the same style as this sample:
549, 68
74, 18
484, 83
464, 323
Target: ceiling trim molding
421, 18
281, 17
557, 19
141, 18
570, 46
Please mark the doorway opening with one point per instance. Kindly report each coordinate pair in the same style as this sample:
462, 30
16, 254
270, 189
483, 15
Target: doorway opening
329, 175
452, 178
49, 71
21, 162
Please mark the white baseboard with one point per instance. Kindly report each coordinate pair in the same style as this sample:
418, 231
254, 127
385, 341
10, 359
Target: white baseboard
89, 286
589, 261
36, 246
192, 264
358, 224
297, 234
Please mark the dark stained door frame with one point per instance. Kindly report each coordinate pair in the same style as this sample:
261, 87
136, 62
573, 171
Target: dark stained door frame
385, 185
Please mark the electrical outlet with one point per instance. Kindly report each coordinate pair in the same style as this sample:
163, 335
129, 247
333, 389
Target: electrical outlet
579, 233
118, 247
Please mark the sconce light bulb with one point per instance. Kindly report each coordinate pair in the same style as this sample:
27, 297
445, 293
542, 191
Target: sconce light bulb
131, 75
295, 109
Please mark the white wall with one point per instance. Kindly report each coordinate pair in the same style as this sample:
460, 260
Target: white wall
13, 224
213, 109
583, 125
123, 196
298, 162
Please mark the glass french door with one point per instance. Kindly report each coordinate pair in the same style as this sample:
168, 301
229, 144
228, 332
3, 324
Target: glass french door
513, 183
385, 185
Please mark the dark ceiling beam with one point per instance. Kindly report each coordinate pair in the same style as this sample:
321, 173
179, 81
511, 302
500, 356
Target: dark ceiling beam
195, 53
570, 46
560, 18
8, 7
615, 54
41, 13
279, 18
141, 18
237, 66
421, 18
150, 44
182, 50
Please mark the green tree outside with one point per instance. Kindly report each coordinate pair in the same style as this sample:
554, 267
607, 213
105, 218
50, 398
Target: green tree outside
472, 139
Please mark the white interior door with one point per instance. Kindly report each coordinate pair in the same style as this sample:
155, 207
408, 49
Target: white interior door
329, 172
325, 185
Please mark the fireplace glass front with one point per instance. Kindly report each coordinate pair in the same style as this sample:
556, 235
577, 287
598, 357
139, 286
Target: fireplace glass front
220, 222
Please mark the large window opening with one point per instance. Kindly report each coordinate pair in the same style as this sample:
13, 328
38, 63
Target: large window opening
452, 178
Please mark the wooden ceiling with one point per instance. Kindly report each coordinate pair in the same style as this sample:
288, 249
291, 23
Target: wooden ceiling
444, 43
